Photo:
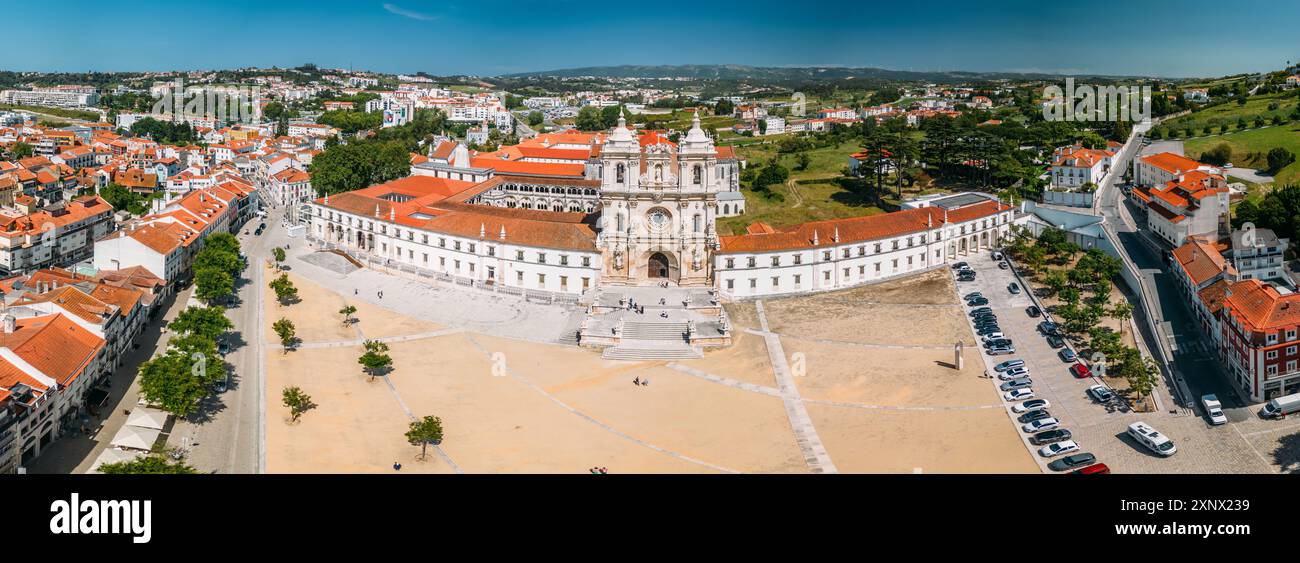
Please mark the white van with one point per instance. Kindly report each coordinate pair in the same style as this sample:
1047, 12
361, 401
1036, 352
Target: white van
1153, 440
1281, 406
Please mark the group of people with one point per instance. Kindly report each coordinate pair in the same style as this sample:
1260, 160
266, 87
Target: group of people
641, 382
599, 471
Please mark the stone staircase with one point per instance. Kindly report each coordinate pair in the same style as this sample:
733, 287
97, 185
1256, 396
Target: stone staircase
655, 332
634, 351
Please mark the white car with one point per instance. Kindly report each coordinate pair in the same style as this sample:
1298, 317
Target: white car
993, 336
1040, 425
1018, 394
1053, 450
1013, 373
1031, 405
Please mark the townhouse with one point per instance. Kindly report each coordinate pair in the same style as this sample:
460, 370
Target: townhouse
59, 236
1182, 197
47, 367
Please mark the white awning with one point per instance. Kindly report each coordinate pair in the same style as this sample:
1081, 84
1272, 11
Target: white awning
112, 455
147, 418
136, 438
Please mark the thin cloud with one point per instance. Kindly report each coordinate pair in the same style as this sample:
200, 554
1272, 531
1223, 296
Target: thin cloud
398, 10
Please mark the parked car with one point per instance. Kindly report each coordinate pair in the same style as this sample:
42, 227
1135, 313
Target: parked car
986, 330
1214, 410
1040, 425
972, 295
960, 265
1068, 356
1018, 394
1034, 311
1004, 266
1098, 469
994, 336
1050, 436
977, 302
1072, 462
1034, 415
1080, 371
999, 343
1021, 383
1058, 448
997, 256
979, 311
1033, 404
1004, 366
1014, 373
1003, 351
1014, 288
1056, 342
1101, 394
1049, 328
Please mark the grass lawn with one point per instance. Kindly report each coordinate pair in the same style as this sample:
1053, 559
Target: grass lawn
814, 194
1229, 113
1249, 148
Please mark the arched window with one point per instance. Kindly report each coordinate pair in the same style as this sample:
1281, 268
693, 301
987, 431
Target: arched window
699, 175
622, 172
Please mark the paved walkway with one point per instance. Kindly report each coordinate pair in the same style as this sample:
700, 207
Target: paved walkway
805, 434
443, 303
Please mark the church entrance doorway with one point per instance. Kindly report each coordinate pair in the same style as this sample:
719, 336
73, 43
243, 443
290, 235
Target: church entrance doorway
658, 268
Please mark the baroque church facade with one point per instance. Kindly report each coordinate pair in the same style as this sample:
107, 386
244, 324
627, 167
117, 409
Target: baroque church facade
658, 206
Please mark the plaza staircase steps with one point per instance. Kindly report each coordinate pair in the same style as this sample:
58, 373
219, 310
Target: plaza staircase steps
650, 351
664, 332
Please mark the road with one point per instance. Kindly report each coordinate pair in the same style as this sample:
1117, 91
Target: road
1195, 363
225, 437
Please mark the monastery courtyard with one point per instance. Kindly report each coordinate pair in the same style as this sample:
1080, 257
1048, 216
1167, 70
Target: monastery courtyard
867, 382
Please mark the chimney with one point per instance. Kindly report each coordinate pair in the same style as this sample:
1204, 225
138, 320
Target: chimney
10, 323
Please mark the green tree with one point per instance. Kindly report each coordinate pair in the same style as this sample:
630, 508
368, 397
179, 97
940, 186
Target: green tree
1123, 311
376, 358
287, 332
347, 312
1279, 158
285, 291
147, 465
207, 322
297, 402
536, 118
279, 254
222, 242
212, 284
174, 382
356, 165
219, 260
423, 432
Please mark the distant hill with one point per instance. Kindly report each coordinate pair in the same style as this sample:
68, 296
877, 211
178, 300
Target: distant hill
782, 74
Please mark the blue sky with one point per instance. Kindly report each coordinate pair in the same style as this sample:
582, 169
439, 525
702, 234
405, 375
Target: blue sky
1152, 37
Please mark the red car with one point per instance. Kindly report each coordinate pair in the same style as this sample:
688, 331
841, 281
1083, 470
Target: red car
1098, 469
1081, 371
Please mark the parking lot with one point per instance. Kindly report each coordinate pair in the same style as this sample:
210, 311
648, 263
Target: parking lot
1249, 446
